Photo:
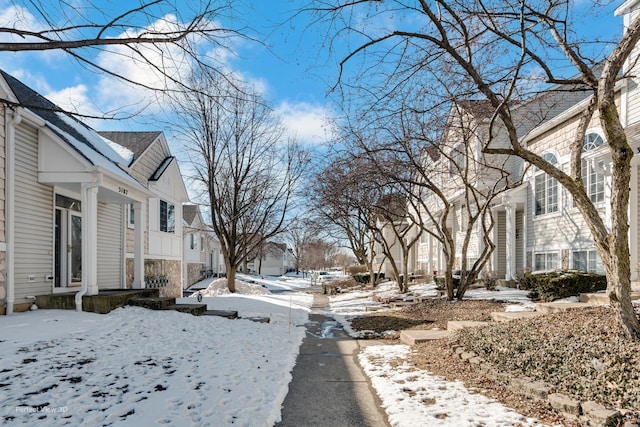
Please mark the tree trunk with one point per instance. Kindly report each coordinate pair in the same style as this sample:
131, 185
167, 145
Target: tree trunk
405, 274
231, 277
618, 267
372, 274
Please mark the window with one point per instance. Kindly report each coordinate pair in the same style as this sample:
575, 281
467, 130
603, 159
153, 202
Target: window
546, 261
593, 180
68, 203
201, 243
591, 142
192, 238
167, 217
546, 189
456, 163
132, 215
587, 261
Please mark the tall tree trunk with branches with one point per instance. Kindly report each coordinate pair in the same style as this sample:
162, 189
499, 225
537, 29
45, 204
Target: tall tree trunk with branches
242, 162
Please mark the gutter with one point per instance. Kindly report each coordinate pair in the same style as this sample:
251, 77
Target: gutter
10, 141
85, 279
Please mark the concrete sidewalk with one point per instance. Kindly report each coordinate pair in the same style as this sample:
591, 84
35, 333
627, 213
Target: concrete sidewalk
328, 387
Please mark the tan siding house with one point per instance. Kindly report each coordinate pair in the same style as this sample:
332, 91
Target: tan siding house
65, 198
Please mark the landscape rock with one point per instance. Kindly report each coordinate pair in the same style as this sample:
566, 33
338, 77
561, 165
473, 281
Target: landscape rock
565, 404
599, 415
467, 355
535, 389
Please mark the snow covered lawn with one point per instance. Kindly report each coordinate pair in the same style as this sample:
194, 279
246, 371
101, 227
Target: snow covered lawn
140, 367
151, 367
416, 398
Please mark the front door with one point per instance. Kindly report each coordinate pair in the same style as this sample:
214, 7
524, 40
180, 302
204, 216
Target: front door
68, 242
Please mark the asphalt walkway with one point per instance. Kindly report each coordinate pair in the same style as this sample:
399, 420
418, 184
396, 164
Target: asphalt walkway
328, 388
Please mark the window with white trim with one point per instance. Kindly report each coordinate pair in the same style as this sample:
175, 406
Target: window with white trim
586, 260
167, 217
202, 244
192, 238
546, 189
457, 160
592, 179
546, 261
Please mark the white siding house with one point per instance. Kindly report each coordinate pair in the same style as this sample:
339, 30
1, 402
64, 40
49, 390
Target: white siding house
272, 260
153, 165
202, 254
537, 225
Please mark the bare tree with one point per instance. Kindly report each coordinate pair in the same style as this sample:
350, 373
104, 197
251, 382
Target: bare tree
299, 234
532, 39
343, 201
430, 159
163, 36
398, 231
244, 164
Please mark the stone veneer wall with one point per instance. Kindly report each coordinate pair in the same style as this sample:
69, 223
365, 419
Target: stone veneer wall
172, 269
193, 273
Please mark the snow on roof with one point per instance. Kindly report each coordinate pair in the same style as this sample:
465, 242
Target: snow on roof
96, 158
100, 144
78, 135
123, 152
163, 167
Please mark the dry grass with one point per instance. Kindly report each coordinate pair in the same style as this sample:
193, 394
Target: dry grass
427, 315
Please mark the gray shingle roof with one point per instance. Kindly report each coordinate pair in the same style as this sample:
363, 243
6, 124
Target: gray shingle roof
189, 213
82, 138
137, 142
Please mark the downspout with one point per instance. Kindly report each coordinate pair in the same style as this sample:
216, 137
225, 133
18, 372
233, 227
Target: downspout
10, 210
85, 279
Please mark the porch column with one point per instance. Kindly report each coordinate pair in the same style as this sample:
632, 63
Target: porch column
480, 233
90, 238
494, 238
511, 242
430, 265
525, 238
140, 216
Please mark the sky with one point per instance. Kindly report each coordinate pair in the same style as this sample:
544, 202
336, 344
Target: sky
291, 65
283, 63
137, 367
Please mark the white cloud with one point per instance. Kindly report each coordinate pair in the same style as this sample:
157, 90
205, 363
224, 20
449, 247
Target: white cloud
73, 99
159, 67
310, 123
12, 16
146, 67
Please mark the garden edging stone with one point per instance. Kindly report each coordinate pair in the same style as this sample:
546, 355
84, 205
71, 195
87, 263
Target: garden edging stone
588, 412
